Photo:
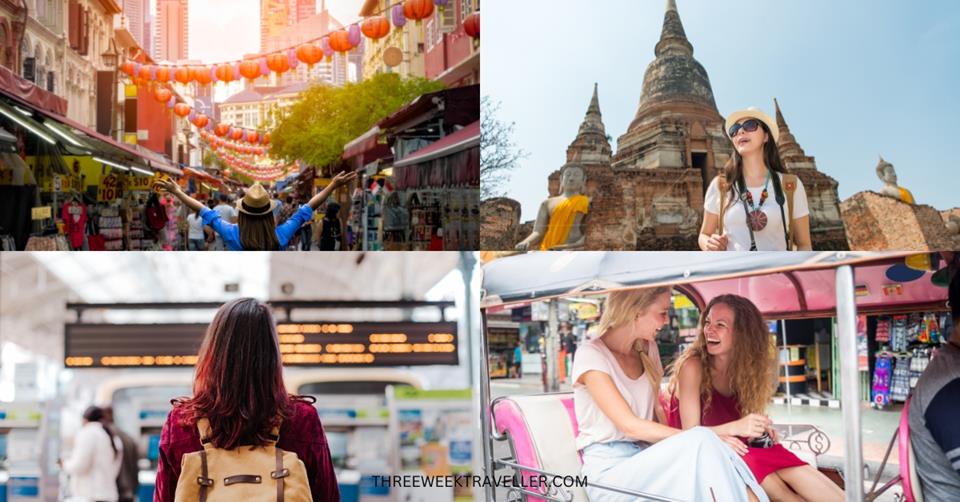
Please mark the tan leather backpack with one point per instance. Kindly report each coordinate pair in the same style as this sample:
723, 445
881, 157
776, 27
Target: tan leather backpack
263, 473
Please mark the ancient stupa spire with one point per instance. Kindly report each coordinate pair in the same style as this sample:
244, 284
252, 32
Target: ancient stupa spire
674, 76
591, 144
673, 40
789, 148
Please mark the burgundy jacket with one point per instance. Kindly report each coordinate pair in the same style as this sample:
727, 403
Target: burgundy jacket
301, 434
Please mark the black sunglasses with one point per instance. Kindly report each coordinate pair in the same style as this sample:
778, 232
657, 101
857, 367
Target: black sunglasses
749, 125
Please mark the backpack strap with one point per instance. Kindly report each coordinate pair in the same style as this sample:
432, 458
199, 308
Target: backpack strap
790, 186
723, 186
204, 481
279, 474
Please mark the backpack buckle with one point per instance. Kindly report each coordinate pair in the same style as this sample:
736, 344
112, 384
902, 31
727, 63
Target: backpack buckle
282, 473
202, 481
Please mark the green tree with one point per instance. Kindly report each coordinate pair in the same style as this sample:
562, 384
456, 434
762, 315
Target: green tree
327, 118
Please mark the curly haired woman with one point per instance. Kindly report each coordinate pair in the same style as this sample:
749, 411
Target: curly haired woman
724, 380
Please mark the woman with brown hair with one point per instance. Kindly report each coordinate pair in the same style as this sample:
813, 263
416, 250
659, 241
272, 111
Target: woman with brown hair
256, 229
755, 204
239, 390
623, 436
724, 380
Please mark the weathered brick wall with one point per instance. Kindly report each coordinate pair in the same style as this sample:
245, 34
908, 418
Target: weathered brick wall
875, 222
499, 221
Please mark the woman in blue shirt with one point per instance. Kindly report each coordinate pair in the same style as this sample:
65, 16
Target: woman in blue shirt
256, 229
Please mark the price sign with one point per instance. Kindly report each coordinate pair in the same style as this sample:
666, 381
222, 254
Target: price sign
109, 189
139, 183
40, 213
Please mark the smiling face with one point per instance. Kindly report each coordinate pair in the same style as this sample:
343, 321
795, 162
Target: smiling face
748, 142
655, 317
718, 330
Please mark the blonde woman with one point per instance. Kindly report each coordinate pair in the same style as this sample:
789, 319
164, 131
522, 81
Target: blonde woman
623, 436
724, 380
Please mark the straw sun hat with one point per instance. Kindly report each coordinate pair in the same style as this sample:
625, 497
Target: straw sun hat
756, 113
256, 201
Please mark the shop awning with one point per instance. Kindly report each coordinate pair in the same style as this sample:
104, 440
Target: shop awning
28, 93
465, 138
75, 137
460, 105
366, 148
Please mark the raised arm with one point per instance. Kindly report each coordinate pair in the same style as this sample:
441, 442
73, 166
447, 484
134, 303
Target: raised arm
171, 186
339, 180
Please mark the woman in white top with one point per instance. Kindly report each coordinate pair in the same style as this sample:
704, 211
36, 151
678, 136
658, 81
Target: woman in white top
622, 436
94, 463
755, 208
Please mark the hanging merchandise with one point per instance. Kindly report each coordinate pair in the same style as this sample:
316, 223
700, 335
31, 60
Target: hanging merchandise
898, 333
880, 394
74, 216
111, 228
900, 382
930, 333
918, 363
883, 329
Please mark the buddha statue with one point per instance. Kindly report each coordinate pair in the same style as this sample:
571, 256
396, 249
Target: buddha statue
560, 219
888, 175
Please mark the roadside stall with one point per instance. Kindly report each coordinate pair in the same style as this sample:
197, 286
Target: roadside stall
801, 285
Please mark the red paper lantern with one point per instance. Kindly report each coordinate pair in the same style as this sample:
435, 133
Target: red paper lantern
162, 94
182, 74
225, 73
145, 72
417, 10
221, 130
471, 25
252, 137
340, 41
278, 62
182, 109
309, 54
250, 69
202, 75
163, 74
128, 67
266, 138
200, 121
375, 27
236, 134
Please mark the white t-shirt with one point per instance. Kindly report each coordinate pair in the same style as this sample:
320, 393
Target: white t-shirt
196, 226
771, 238
227, 213
595, 426
94, 464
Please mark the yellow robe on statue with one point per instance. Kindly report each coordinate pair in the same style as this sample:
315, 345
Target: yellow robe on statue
905, 195
561, 220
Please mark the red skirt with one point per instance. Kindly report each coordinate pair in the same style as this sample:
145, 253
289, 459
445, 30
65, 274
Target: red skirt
763, 461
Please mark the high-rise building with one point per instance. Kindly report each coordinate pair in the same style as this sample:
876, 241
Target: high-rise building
172, 34
274, 19
135, 17
302, 9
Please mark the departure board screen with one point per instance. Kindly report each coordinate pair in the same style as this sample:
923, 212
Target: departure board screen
301, 344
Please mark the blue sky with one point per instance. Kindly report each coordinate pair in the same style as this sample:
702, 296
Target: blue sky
854, 79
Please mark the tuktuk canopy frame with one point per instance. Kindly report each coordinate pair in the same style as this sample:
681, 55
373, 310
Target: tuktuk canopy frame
784, 285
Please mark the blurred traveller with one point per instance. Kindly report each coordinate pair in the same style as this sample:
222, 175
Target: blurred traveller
196, 232
256, 230
95, 460
331, 236
127, 480
227, 214
240, 401
934, 410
